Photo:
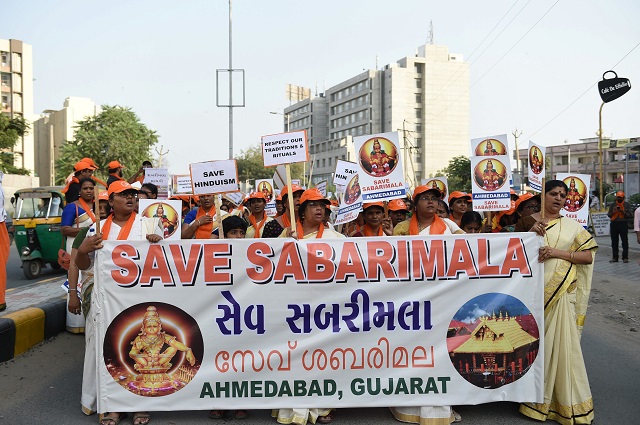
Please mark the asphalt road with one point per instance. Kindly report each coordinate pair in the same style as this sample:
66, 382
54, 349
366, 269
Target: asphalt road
15, 276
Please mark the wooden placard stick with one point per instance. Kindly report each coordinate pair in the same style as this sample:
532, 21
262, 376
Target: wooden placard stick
339, 196
96, 206
542, 200
290, 207
219, 216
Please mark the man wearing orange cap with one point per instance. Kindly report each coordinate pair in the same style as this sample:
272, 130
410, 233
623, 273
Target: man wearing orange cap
458, 205
115, 172
256, 204
397, 211
374, 222
620, 214
72, 189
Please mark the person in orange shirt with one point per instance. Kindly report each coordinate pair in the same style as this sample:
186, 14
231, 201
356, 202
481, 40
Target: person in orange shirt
620, 213
199, 222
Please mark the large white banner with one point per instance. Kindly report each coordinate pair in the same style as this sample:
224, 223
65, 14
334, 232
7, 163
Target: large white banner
395, 321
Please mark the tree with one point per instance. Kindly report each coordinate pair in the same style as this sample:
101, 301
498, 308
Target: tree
114, 134
251, 166
11, 130
458, 174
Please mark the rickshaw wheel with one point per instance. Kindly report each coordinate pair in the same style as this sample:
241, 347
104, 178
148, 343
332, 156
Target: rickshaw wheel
32, 268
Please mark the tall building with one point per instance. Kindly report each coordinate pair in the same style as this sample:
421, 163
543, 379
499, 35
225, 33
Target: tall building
53, 129
16, 94
425, 97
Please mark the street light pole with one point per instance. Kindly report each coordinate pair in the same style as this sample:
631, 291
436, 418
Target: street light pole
230, 89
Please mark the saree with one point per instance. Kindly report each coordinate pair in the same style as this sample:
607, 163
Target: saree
567, 396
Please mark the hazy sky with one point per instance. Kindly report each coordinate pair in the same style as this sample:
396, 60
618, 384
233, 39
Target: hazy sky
159, 58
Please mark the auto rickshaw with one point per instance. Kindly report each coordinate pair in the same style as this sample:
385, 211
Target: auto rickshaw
37, 218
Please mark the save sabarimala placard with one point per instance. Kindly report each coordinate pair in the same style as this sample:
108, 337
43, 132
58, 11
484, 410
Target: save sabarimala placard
228, 324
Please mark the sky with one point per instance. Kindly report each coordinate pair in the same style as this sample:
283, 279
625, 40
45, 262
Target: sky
530, 60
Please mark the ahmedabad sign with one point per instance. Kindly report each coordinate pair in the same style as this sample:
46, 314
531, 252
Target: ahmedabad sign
230, 324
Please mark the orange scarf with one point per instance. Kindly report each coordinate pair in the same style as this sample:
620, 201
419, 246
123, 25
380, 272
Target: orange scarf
618, 213
368, 231
453, 219
257, 226
100, 182
300, 231
286, 220
124, 231
74, 179
438, 226
87, 209
204, 231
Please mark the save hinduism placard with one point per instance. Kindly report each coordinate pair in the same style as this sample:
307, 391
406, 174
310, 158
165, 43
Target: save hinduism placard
381, 176
214, 177
577, 203
255, 324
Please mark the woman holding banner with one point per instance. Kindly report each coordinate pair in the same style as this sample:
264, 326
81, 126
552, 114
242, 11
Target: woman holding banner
568, 255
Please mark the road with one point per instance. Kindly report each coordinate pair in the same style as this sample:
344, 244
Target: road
44, 384
15, 276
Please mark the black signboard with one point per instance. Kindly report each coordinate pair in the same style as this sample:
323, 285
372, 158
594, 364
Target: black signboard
612, 88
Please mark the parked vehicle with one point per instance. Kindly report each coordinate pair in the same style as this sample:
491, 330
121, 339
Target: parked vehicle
37, 218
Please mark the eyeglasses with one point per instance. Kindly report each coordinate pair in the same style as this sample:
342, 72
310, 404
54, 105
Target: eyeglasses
131, 195
315, 204
428, 198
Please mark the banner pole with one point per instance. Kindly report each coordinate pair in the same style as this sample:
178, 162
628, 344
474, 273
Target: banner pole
219, 216
291, 208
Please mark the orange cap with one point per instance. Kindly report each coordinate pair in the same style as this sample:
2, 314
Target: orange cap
620, 194
81, 165
372, 204
294, 188
397, 205
90, 162
103, 196
458, 195
119, 186
524, 198
256, 195
114, 164
313, 195
425, 188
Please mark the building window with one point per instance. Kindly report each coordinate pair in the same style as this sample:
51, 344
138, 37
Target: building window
418, 98
418, 112
418, 128
4, 58
419, 83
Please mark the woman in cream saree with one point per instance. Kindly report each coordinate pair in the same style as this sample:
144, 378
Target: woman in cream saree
568, 255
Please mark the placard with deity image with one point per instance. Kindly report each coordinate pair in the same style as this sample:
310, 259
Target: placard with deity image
439, 183
266, 187
577, 204
490, 146
490, 183
381, 176
163, 214
536, 166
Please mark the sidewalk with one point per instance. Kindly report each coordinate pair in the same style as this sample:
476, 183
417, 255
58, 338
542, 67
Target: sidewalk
37, 312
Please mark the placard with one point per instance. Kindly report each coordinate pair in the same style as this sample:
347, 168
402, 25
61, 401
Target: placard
322, 187
165, 215
381, 173
343, 174
536, 166
351, 202
490, 146
490, 183
577, 204
157, 176
182, 183
601, 223
439, 183
212, 177
390, 322
285, 148
266, 187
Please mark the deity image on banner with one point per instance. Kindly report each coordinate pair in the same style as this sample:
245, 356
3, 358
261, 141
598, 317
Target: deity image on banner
353, 191
378, 156
166, 214
490, 174
437, 184
536, 160
577, 194
266, 189
493, 340
153, 349
490, 147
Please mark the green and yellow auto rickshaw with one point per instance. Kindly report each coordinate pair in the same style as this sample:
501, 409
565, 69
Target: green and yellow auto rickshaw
37, 217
